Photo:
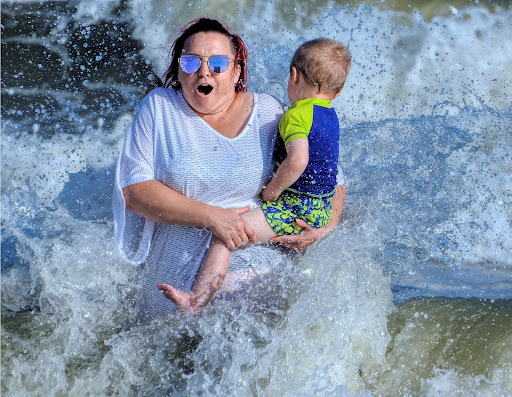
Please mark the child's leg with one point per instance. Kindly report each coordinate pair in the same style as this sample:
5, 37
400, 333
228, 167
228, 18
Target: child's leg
213, 271
215, 266
257, 220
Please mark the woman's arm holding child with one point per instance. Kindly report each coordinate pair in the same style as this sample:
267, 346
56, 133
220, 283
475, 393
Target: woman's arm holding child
157, 202
309, 234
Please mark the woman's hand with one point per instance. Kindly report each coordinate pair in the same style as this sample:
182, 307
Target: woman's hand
309, 234
304, 239
230, 227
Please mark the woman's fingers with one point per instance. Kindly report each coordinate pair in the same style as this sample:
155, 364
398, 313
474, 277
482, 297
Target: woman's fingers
242, 210
303, 224
249, 233
231, 228
246, 233
300, 241
288, 241
229, 242
237, 241
243, 235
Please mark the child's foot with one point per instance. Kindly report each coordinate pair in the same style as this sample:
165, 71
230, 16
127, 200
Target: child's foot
184, 300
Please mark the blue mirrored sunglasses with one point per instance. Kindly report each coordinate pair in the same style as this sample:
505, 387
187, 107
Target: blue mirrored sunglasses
217, 63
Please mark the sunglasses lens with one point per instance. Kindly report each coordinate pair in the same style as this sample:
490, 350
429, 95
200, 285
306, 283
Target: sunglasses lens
190, 63
218, 63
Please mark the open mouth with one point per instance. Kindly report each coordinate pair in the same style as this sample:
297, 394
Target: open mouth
205, 89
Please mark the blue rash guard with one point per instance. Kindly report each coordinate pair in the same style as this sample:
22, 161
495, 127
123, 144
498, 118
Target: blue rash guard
315, 120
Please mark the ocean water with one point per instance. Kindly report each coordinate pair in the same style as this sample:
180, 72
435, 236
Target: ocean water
410, 296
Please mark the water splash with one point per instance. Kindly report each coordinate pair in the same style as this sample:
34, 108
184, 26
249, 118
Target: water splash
426, 118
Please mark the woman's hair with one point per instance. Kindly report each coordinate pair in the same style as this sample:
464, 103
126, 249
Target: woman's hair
325, 63
170, 77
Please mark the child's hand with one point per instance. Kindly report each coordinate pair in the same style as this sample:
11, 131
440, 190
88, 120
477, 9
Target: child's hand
269, 195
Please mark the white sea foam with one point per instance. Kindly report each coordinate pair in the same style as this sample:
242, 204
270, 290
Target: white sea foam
403, 65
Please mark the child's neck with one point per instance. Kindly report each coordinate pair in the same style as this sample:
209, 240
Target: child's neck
307, 91
319, 95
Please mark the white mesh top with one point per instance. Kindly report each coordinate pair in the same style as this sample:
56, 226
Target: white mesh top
170, 143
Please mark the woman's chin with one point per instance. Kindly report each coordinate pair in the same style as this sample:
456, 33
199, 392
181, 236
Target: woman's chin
207, 103
203, 107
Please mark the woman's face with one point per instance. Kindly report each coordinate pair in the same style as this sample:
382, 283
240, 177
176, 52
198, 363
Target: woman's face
205, 91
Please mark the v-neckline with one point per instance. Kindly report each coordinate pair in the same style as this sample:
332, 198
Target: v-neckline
249, 122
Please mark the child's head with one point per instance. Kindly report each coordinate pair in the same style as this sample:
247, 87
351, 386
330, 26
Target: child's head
324, 63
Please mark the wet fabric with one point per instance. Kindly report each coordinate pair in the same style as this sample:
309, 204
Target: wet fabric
314, 120
281, 214
168, 142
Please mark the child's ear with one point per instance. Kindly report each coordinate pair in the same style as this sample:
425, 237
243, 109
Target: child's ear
338, 94
294, 74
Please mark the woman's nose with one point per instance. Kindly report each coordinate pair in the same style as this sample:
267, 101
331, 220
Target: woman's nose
204, 69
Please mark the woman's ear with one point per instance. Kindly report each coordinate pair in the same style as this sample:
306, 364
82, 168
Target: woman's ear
237, 72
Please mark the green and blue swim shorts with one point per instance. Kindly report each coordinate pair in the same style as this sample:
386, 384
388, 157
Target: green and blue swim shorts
281, 214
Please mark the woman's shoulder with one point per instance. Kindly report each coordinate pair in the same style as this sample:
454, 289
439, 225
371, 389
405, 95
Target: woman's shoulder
267, 98
160, 93
159, 98
268, 103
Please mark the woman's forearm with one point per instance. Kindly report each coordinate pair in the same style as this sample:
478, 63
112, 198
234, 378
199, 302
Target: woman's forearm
157, 202
338, 202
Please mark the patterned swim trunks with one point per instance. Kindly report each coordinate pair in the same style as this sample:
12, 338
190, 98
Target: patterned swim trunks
281, 214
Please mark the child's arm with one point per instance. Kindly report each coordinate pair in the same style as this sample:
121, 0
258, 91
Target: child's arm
297, 157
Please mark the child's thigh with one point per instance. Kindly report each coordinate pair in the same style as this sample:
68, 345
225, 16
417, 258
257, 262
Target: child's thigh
317, 212
256, 218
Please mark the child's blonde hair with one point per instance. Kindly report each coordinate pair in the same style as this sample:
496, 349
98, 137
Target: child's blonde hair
325, 63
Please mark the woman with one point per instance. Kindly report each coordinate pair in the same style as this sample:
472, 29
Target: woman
197, 156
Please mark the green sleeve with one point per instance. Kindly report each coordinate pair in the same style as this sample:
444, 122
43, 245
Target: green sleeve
296, 123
